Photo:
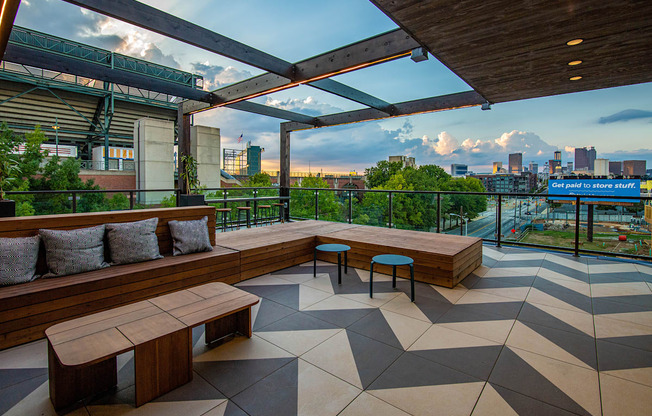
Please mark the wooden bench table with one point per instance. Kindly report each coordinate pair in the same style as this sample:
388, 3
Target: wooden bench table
82, 352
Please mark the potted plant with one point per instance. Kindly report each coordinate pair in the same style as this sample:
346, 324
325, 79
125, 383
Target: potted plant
191, 180
9, 169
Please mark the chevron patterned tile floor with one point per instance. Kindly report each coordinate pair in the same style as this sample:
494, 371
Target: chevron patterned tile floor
529, 333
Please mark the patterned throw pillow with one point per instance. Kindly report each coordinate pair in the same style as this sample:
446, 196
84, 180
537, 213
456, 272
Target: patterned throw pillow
132, 242
190, 236
74, 251
18, 258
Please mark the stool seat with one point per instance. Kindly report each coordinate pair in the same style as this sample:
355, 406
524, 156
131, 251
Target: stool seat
223, 209
264, 206
244, 208
392, 260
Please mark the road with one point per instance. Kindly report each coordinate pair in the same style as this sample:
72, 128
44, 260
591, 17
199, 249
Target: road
485, 225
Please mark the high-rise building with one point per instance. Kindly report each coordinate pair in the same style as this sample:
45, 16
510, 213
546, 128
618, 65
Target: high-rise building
585, 158
569, 166
406, 160
616, 168
601, 167
497, 167
558, 155
592, 155
516, 162
458, 169
254, 159
554, 166
634, 167
534, 167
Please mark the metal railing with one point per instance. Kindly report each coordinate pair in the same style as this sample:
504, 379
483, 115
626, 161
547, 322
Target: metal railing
500, 224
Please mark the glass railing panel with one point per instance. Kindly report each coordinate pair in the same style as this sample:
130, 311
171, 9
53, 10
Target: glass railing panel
302, 204
333, 205
372, 209
414, 211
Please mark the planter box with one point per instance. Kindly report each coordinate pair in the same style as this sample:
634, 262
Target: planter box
7, 208
191, 200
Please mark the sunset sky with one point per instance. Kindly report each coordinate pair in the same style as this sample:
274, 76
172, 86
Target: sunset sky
617, 121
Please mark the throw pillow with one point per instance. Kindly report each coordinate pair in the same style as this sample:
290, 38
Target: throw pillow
190, 236
74, 251
18, 258
132, 242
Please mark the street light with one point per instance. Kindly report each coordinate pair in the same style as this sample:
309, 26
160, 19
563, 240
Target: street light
466, 225
56, 133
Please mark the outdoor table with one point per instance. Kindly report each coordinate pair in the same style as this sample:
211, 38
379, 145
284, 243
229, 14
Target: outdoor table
391, 260
333, 248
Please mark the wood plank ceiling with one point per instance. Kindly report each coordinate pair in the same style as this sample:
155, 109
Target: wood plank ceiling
512, 50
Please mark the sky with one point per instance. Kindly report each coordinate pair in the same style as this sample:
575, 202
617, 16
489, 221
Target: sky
617, 121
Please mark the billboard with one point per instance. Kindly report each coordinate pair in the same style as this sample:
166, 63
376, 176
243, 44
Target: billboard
595, 187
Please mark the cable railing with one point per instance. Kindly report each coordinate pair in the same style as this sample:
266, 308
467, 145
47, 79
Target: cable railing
579, 225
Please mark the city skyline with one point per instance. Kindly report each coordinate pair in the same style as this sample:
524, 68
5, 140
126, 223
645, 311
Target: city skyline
617, 121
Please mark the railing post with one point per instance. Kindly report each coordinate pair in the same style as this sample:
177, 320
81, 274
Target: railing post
316, 204
438, 212
224, 196
74, 202
390, 209
499, 220
178, 196
350, 207
131, 199
255, 207
577, 226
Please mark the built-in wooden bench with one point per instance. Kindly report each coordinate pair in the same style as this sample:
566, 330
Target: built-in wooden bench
26, 310
439, 259
267, 249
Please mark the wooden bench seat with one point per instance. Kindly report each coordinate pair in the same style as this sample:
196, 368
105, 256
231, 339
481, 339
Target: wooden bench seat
26, 310
267, 249
439, 259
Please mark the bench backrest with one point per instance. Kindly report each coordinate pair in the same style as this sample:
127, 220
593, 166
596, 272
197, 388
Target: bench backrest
27, 226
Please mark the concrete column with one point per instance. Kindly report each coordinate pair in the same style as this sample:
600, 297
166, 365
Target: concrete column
154, 157
205, 148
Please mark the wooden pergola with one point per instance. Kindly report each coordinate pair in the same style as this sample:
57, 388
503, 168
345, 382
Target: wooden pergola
504, 50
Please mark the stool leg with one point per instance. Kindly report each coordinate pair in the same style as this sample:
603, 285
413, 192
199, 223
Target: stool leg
371, 280
248, 219
346, 263
224, 222
412, 281
394, 277
339, 268
314, 263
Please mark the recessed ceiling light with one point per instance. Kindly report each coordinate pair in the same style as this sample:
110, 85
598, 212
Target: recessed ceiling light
577, 78
574, 42
573, 63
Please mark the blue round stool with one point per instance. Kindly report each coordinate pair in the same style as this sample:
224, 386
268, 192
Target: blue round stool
391, 260
333, 248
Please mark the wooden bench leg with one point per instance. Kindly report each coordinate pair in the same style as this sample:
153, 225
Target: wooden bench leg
162, 365
71, 384
235, 322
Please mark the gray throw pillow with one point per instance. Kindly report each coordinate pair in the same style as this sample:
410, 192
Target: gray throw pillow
190, 236
132, 242
74, 251
18, 258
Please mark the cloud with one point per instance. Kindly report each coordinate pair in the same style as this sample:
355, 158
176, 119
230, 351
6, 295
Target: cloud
307, 105
640, 154
216, 76
625, 115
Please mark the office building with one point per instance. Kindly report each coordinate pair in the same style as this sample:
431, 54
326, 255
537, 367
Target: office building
497, 167
569, 166
534, 168
558, 155
616, 168
516, 163
634, 167
601, 167
458, 169
406, 160
523, 182
585, 158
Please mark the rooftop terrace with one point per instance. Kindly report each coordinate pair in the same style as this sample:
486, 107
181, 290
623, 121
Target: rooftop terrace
529, 332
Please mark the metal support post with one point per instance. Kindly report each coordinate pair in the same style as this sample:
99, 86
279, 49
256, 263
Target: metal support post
499, 220
284, 167
350, 206
183, 124
74, 202
438, 212
461, 222
316, 205
589, 223
577, 226
390, 209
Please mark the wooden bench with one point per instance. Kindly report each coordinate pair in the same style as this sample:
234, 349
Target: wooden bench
26, 310
82, 352
439, 259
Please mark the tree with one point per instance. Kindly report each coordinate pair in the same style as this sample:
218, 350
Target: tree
303, 202
9, 166
378, 175
471, 205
